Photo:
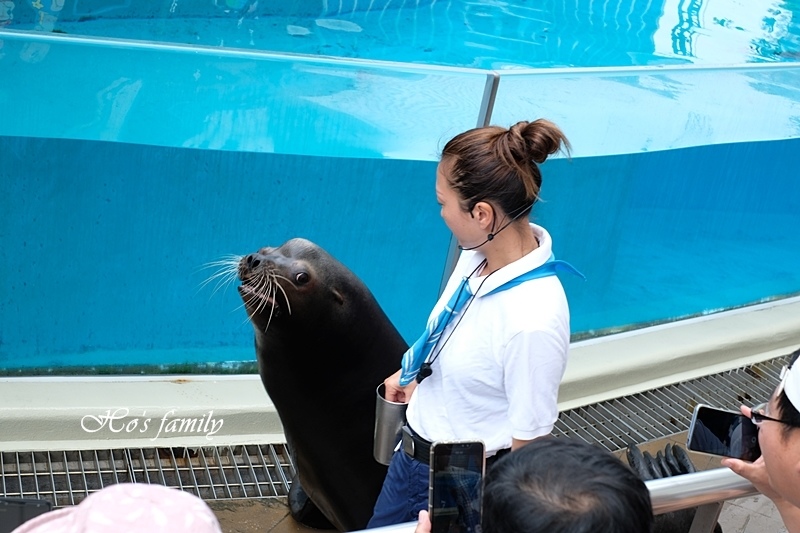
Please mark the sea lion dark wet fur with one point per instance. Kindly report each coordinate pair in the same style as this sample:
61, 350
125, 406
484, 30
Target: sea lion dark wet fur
323, 345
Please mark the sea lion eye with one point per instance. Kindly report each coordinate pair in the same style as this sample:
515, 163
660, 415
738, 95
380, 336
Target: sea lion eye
301, 278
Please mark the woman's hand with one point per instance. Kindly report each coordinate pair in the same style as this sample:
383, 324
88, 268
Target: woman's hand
396, 392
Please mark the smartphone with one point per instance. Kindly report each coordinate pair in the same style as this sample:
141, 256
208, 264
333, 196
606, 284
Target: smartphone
455, 496
723, 432
16, 511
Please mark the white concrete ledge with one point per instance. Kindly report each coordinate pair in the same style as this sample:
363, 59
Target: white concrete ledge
72, 413
644, 359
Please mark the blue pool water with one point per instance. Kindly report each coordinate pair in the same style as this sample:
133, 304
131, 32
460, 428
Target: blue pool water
106, 263
487, 34
127, 167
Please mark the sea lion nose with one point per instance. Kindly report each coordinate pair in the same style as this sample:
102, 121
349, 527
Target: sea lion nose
258, 259
252, 261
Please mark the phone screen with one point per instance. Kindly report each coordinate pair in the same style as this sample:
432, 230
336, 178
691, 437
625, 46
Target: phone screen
723, 432
16, 511
456, 486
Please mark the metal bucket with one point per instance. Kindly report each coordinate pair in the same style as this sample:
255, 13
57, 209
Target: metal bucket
389, 418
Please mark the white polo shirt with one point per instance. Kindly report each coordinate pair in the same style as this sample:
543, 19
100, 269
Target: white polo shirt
503, 358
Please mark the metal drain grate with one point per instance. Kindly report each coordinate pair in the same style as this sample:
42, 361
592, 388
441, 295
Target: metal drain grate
259, 471
639, 418
67, 477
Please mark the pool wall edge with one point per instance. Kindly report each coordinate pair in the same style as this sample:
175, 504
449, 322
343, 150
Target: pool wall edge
627, 363
103, 412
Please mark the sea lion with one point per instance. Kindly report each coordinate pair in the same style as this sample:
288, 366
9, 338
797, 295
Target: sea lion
323, 345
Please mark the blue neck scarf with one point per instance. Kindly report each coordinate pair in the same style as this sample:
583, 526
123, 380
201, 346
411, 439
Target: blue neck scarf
419, 352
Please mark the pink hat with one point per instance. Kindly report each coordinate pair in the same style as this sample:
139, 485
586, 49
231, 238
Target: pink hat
129, 508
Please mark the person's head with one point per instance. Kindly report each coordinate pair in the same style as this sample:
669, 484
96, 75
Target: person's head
489, 177
564, 486
129, 508
780, 441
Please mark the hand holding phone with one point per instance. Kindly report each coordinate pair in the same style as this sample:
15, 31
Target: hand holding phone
456, 486
723, 432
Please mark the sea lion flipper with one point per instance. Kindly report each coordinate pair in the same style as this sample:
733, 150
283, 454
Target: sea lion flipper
305, 511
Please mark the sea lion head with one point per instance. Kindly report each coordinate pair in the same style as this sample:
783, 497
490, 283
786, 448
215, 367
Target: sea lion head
294, 281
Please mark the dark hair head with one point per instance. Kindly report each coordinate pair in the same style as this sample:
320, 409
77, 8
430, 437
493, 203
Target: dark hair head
564, 486
788, 412
500, 166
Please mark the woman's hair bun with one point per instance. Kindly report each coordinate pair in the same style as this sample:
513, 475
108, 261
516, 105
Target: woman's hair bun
536, 140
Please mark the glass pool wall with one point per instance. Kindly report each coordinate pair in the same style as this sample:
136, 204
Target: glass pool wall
127, 167
682, 196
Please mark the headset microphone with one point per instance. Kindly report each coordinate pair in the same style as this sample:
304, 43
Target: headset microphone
488, 238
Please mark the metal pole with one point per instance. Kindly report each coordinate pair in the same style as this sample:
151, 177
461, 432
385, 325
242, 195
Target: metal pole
696, 489
484, 118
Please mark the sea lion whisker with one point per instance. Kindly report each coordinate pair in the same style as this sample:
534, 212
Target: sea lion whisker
257, 281
247, 312
258, 309
223, 261
272, 310
223, 280
273, 293
266, 296
224, 265
249, 317
257, 301
262, 292
220, 284
285, 296
242, 305
262, 306
219, 274
229, 270
276, 277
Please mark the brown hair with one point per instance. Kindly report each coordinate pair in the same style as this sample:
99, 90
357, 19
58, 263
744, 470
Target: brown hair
500, 166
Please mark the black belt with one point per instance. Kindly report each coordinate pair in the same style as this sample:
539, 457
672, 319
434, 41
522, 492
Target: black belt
491, 460
420, 449
415, 446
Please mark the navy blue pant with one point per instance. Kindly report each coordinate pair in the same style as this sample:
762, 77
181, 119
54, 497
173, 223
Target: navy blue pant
404, 493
